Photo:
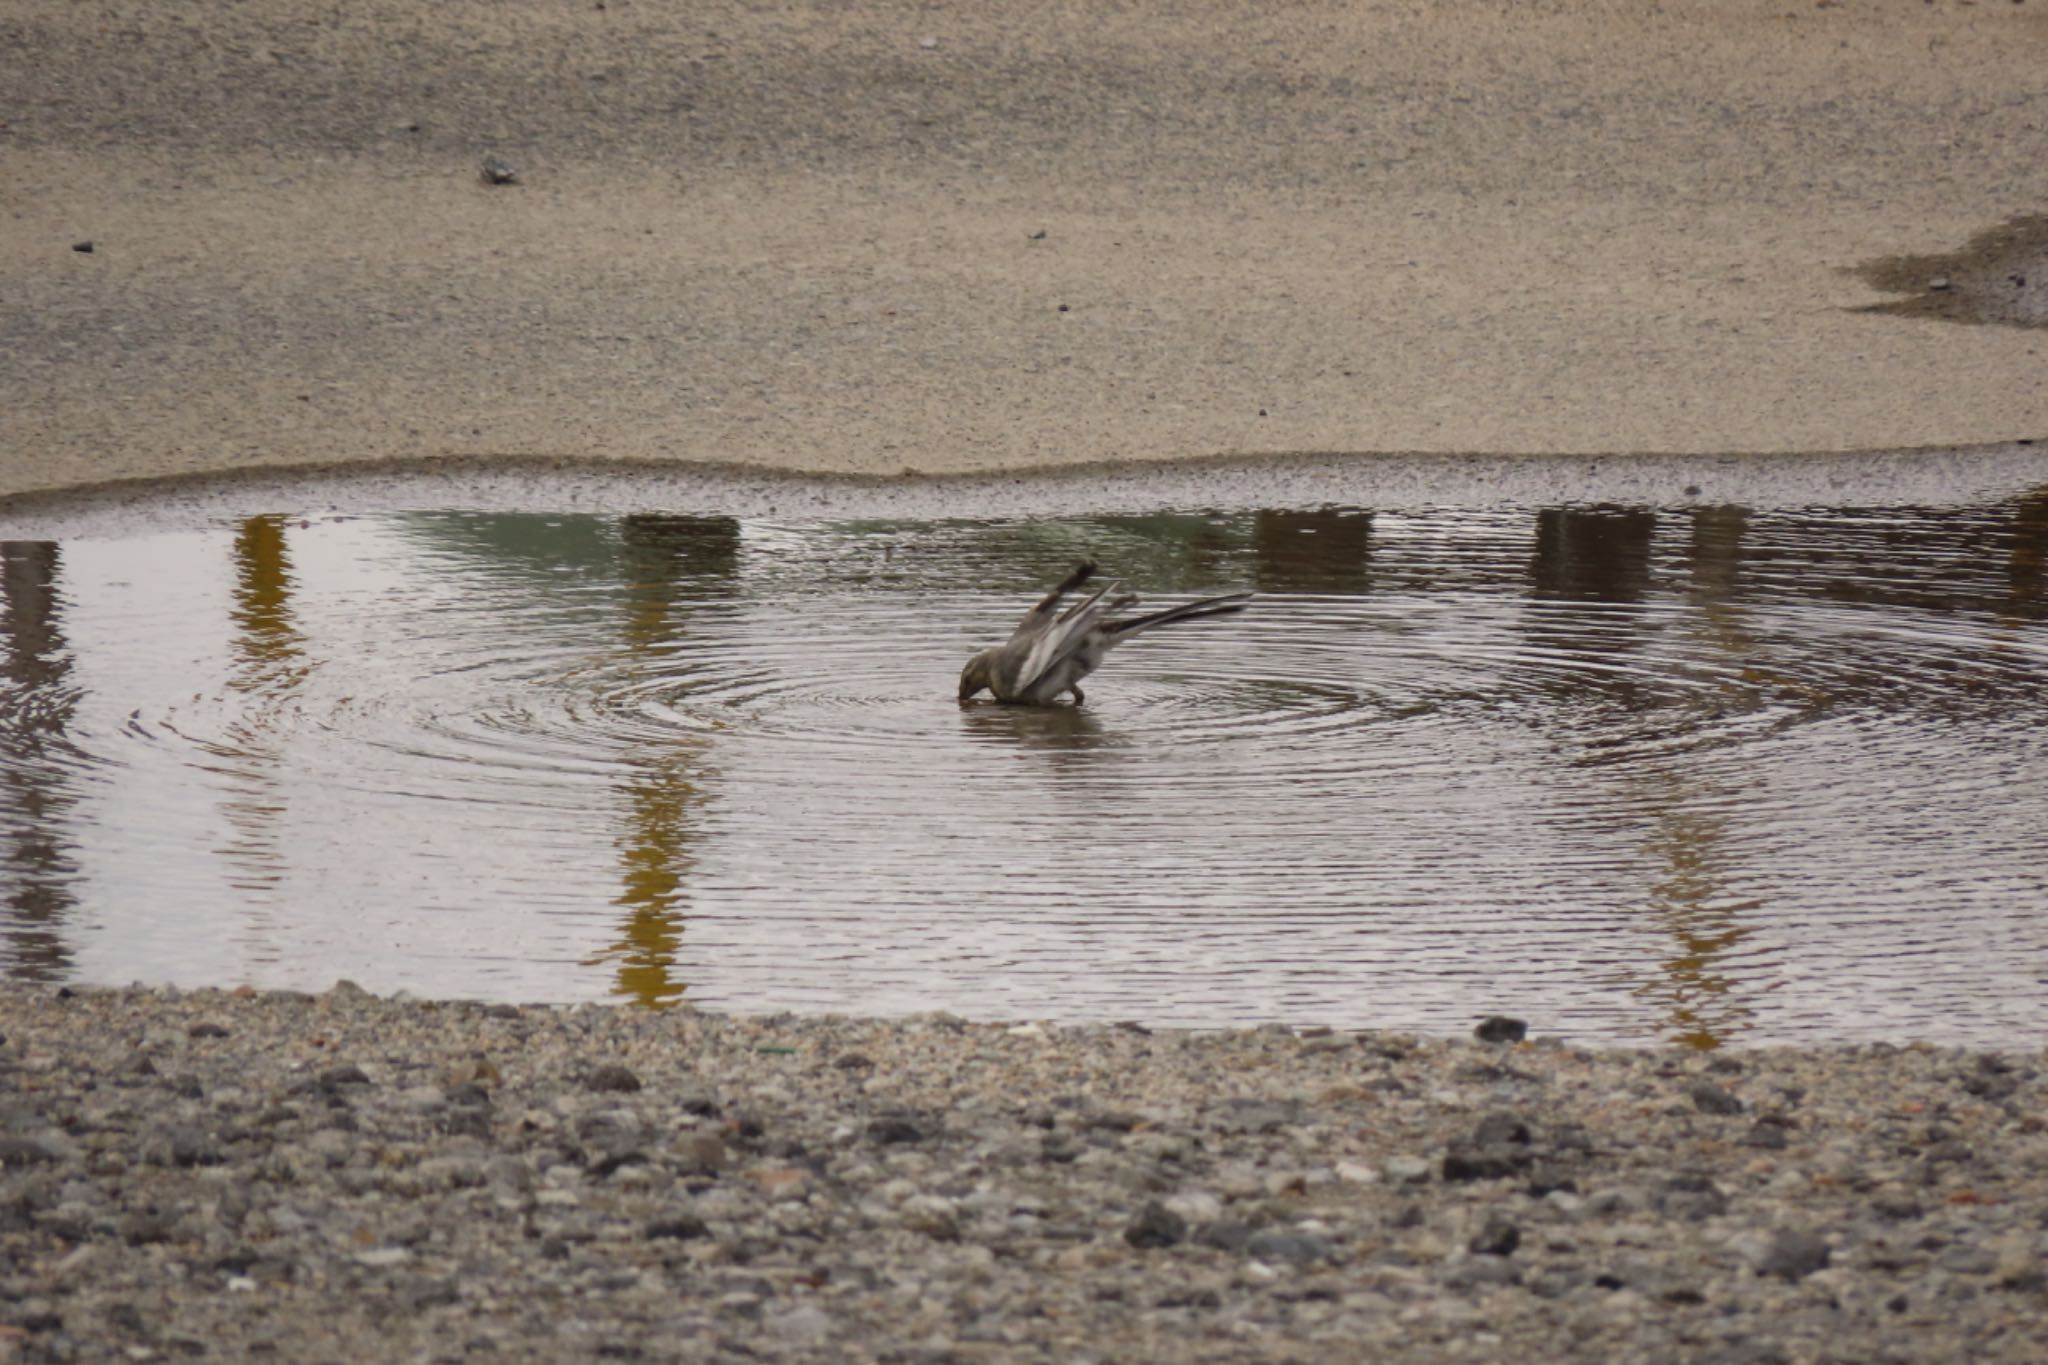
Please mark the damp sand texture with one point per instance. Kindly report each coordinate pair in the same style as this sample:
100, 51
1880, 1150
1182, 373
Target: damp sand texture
873, 238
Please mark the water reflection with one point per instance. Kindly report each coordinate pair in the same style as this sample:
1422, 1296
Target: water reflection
1704, 774
270, 665
1325, 551
39, 703
670, 562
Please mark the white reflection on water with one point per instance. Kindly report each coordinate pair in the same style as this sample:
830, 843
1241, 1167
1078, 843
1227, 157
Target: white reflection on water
1708, 775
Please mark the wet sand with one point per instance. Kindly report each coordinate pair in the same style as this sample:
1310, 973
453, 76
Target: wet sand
881, 238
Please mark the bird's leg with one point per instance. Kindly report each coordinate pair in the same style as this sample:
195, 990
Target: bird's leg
1077, 695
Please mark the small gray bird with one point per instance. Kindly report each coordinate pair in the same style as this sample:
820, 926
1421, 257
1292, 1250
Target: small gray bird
1050, 654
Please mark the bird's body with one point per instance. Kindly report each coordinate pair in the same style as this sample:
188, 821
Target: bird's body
1052, 650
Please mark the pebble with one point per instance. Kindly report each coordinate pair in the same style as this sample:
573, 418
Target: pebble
251, 1174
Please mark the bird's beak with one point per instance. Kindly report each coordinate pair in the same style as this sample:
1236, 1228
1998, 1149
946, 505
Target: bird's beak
973, 678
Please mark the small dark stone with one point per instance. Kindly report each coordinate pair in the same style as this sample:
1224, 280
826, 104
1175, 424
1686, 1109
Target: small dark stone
190, 1146
1896, 1208
335, 1077
1691, 1196
85, 247
1499, 1028
498, 171
431, 1293
1772, 1133
854, 1061
1498, 1237
894, 1128
66, 993
470, 1094
236, 1260
144, 1229
1058, 1150
1410, 1217
612, 1077
1155, 1226
1181, 1298
1710, 1098
613, 1161
701, 1106
1992, 1080
1498, 1127
1226, 1235
206, 1029
681, 1227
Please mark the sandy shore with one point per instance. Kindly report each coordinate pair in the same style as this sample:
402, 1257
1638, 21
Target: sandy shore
879, 237
247, 1175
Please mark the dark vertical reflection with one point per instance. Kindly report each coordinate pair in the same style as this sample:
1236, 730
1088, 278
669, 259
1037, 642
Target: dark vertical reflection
2027, 563
1690, 898
1599, 554
671, 564
1327, 551
270, 664
39, 700
1584, 559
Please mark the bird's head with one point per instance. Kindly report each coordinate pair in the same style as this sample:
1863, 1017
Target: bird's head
974, 677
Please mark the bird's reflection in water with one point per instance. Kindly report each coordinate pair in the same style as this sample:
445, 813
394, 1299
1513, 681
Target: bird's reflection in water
1057, 730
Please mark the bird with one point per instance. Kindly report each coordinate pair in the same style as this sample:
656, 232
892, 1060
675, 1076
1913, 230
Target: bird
1049, 654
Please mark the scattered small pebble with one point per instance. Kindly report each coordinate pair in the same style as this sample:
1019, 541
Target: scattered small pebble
278, 1175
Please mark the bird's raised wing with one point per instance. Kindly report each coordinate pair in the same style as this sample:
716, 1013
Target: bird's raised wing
1057, 639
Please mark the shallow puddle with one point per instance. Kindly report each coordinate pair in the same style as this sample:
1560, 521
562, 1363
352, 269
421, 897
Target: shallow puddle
1702, 774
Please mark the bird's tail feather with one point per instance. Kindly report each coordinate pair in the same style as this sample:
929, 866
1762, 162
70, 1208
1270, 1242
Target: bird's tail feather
1186, 611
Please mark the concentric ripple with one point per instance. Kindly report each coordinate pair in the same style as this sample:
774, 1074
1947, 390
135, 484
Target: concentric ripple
1702, 774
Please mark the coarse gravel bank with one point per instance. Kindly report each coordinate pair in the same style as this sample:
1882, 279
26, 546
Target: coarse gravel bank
249, 1175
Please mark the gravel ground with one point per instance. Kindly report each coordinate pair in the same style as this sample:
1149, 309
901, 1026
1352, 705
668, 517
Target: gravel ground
281, 1176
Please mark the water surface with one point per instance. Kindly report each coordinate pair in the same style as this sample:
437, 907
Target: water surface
1707, 774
